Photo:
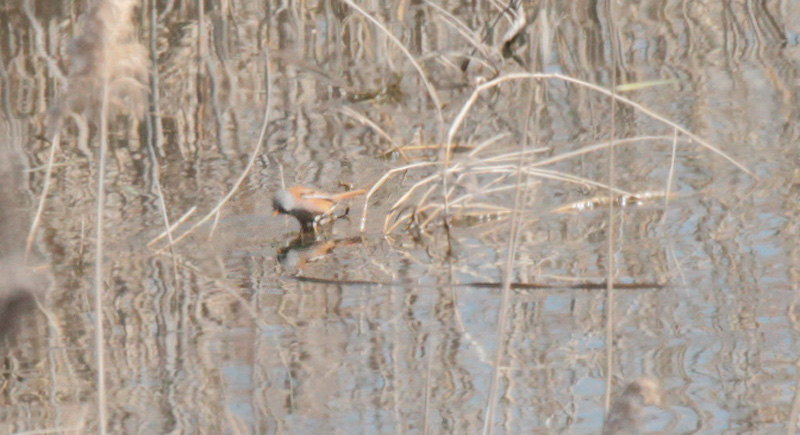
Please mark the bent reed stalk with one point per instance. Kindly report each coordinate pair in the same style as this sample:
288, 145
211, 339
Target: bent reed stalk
475, 164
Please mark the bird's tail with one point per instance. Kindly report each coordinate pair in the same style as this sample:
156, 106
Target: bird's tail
349, 194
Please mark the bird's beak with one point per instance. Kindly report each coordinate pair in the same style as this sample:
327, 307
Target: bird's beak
276, 212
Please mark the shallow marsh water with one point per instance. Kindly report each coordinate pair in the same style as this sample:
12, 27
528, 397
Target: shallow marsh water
243, 331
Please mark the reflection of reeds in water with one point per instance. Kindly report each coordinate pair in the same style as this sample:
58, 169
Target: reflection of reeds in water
314, 351
106, 75
105, 46
495, 180
103, 54
17, 299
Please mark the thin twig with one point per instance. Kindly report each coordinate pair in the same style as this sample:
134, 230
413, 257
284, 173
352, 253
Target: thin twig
214, 225
670, 177
364, 120
792, 429
174, 225
382, 180
609, 327
153, 133
428, 386
596, 147
43, 196
99, 334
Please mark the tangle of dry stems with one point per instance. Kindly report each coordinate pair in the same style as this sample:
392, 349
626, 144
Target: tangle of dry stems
495, 169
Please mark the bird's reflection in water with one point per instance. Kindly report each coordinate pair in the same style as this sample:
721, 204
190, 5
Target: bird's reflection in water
304, 250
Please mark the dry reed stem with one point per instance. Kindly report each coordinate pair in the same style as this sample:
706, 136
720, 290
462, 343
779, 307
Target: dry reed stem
425, 197
671, 176
418, 184
612, 175
390, 216
488, 187
364, 120
174, 225
98, 277
437, 209
549, 174
43, 196
283, 177
253, 156
511, 156
671, 251
488, 142
162, 204
428, 370
413, 188
596, 147
471, 195
511, 250
380, 183
154, 135
214, 225
397, 218
445, 205
461, 116
432, 216
504, 171
474, 209
560, 176
795, 405
417, 66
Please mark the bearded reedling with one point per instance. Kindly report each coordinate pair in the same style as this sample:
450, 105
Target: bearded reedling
309, 206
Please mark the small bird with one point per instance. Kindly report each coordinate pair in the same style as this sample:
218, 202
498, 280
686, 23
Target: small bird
308, 205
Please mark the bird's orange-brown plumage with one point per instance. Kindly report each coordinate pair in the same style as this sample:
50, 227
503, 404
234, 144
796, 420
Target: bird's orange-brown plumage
307, 204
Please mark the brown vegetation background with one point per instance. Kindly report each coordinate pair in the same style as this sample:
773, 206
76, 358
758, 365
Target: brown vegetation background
398, 334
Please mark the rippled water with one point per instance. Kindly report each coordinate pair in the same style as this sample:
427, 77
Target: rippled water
241, 328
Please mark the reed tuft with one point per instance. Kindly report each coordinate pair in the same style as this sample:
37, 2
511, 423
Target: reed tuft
106, 44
